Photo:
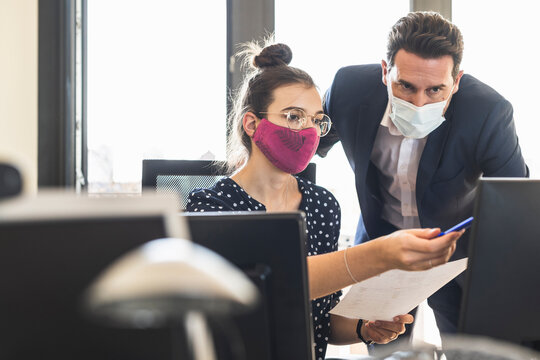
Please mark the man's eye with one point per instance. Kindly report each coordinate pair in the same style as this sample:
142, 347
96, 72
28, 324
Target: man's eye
405, 86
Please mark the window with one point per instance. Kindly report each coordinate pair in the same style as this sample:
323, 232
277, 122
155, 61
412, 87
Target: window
327, 35
156, 86
502, 53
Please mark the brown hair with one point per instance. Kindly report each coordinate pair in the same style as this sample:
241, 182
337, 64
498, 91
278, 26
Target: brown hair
428, 35
266, 70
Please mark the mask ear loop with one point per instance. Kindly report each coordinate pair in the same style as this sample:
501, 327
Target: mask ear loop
391, 96
451, 91
389, 86
255, 125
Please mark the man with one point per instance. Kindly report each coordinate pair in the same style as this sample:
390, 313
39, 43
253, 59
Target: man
418, 134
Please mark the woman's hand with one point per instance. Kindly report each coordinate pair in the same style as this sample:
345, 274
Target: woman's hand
418, 249
382, 332
414, 249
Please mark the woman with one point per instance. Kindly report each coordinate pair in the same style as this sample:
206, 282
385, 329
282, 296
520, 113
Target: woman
275, 130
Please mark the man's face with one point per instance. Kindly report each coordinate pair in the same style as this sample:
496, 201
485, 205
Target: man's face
421, 81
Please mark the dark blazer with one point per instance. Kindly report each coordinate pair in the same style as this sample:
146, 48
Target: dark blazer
477, 139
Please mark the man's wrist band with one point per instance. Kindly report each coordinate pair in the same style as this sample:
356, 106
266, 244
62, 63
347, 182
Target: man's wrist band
359, 332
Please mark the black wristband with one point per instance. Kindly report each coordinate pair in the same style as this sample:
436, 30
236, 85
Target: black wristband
359, 332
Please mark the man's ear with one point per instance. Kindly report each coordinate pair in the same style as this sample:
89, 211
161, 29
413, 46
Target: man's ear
250, 123
385, 69
458, 79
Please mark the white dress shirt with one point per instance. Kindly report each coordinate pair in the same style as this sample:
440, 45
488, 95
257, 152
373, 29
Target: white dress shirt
397, 158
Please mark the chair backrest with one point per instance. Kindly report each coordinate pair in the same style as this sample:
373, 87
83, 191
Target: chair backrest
182, 176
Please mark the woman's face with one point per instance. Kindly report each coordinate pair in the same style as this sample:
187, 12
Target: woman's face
293, 107
292, 98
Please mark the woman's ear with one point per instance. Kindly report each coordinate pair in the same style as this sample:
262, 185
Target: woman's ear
250, 123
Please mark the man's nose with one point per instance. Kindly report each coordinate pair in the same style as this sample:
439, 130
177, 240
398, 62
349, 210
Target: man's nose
420, 99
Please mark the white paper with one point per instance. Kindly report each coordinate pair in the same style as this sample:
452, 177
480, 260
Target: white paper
395, 292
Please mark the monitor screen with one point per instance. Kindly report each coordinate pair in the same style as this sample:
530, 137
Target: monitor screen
48, 259
270, 248
501, 297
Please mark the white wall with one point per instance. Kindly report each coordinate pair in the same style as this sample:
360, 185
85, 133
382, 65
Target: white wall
19, 85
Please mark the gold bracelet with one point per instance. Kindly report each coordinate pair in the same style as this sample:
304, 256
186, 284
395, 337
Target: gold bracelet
347, 265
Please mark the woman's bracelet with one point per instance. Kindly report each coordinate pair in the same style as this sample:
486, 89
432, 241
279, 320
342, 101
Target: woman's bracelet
347, 265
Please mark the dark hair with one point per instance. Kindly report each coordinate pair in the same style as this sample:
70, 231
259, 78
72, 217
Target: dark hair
266, 70
428, 35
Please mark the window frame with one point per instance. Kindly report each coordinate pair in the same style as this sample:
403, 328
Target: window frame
62, 121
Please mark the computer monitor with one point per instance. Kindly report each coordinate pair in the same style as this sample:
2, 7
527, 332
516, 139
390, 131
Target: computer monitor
270, 248
501, 296
51, 249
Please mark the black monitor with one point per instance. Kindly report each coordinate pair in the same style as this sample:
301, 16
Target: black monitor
501, 297
50, 255
270, 247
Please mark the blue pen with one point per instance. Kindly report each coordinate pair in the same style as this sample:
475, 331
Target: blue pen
465, 224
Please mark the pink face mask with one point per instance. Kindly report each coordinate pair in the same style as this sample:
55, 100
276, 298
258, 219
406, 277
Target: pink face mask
290, 151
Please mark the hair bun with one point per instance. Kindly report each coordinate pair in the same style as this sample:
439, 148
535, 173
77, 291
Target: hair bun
273, 55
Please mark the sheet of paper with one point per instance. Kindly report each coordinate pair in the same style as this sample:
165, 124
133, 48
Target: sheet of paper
395, 292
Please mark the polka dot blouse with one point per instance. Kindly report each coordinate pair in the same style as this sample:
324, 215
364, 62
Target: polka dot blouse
323, 216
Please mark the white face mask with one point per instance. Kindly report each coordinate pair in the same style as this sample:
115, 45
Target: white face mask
416, 122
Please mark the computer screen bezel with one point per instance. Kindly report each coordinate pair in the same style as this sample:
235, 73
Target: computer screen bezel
498, 288
291, 331
44, 222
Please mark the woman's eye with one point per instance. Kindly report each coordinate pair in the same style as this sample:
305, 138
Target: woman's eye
294, 117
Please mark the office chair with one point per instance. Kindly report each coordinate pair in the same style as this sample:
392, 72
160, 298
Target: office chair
180, 177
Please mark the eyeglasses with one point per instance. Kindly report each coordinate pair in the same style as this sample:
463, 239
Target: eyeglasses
297, 120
